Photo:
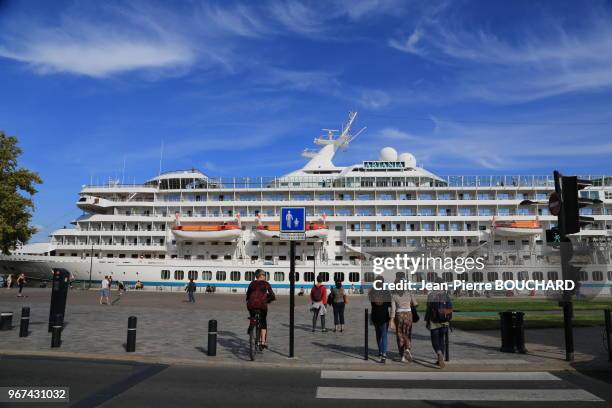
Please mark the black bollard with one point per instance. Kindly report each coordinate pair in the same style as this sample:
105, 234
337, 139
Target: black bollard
519, 333
212, 338
25, 322
130, 347
6, 320
608, 319
507, 332
56, 331
446, 345
365, 336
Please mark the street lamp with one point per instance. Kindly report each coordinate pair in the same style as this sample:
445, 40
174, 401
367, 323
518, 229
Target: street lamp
91, 263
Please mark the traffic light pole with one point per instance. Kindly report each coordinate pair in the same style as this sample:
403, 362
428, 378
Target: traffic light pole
565, 250
291, 297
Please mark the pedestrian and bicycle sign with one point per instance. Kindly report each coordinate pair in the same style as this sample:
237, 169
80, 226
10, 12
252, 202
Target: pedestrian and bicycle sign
293, 223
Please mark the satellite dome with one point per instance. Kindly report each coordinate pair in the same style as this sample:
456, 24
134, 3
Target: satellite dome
388, 154
408, 159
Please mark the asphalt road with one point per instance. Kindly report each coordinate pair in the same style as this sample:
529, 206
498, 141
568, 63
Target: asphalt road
112, 384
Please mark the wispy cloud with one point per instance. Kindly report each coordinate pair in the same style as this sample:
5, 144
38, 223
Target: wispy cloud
539, 64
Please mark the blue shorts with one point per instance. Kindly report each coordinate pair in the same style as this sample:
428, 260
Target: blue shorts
104, 292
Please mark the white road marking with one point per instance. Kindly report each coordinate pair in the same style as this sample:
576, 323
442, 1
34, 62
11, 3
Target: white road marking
449, 376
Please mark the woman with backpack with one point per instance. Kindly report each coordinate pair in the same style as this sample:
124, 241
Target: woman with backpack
338, 300
318, 297
437, 317
403, 313
381, 305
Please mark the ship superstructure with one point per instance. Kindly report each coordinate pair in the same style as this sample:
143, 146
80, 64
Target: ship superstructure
185, 224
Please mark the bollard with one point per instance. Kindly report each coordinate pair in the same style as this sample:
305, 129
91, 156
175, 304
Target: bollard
212, 338
519, 332
25, 322
365, 336
507, 337
130, 346
6, 320
608, 319
56, 331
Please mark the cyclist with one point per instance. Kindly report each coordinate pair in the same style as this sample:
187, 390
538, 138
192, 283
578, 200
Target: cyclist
258, 295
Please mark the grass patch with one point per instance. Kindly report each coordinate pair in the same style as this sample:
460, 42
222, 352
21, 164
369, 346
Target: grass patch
522, 304
532, 321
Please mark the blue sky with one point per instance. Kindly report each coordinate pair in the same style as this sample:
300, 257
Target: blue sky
231, 88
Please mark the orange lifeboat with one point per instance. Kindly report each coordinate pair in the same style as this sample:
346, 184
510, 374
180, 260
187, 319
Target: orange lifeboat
517, 228
207, 232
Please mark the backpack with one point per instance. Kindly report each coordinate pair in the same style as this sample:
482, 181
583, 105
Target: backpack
442, 311
258, 298
337, 295
316, 293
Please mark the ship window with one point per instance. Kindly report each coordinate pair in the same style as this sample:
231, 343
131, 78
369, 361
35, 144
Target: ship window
165, 274
610, 275
282, 257
121, 255
235, 276
297, 276
507, 275
431, 276
227, 257
447, 276
254, 257
338, 276
134, 255
598, 276
214, 256
477, 276
192, 275
206, 275
279, 276
523, 275
582, 276
254, 243
310, 257
308, 276
179, 275
338, 228
249, 276
221, 275
268, 257
538, 276
369, 277
353, 276
339, 257
552, 275
324, 276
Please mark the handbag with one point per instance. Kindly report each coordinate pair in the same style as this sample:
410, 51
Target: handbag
415, 315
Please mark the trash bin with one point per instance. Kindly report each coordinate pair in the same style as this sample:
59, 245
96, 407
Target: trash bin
512, 332
6, 320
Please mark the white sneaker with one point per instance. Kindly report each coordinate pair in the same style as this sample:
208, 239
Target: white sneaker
408, 355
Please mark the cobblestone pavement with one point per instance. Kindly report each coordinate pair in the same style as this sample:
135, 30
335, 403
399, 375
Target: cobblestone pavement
169, 327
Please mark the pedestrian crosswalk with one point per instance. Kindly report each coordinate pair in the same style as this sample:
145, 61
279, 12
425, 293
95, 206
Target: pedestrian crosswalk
450, 386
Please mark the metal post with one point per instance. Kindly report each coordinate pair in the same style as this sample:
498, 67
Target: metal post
291, 298
568, 312
608, 318
130, 346
56, 331
365, 335
446, 345
25, 321
212, 338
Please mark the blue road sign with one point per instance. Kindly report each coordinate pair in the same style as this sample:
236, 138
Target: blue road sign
293, 219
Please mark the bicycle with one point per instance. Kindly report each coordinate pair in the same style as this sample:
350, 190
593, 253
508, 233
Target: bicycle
255, 335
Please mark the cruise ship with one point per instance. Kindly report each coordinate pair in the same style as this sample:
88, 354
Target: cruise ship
185, 224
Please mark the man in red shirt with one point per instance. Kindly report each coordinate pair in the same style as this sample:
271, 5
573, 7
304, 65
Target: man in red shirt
258, 295
318, 297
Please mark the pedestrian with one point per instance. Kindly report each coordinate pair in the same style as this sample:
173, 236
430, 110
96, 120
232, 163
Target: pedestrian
318, 297
9, 281
190, 289
437, 317
381, 304
104, 296
121, 288
109, 289
352, 289
337, 298
21, 280
403, 312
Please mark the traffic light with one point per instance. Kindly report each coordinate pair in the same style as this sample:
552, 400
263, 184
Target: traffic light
571, 203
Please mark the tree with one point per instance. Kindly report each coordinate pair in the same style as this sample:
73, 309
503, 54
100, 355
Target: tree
16, 191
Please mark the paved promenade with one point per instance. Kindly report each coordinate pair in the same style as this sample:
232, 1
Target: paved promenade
170, 329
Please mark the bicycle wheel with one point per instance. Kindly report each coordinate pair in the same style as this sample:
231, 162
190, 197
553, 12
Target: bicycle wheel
252, 343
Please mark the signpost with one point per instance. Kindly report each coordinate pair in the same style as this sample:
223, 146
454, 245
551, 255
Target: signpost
292, 228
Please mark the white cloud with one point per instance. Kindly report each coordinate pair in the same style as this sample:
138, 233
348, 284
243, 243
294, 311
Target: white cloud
409, 44
396, 134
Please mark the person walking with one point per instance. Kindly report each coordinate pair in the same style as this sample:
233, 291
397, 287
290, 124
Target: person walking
104, 296
437, 317
190, 289
21, 280
318, 297
380, 301
9, 281
337, 298
109, 290
402, 307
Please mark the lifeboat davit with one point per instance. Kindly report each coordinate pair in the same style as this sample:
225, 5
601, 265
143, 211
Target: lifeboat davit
223, 232
313, 231
517, 228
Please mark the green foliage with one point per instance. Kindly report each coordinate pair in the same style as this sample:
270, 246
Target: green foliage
16, 191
